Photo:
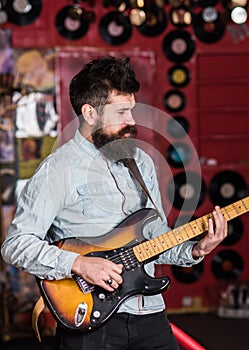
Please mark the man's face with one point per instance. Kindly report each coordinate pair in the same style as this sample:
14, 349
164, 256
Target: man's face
115, 129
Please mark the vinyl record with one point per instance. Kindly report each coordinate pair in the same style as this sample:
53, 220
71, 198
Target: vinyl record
227, 187
208, 32
188, 274
155, 23
178, 155
178, 76
178, 46
115, 28
227, 265
186, 190
205, 3
22, 12
235, 232
178, 127
69, 25
174, 100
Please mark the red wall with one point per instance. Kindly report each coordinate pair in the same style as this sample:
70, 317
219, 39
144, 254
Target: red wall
217, 108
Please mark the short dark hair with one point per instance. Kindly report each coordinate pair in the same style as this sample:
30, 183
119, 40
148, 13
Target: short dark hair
97, 79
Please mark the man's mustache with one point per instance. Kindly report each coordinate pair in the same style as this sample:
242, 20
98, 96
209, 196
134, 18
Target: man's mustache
129, 129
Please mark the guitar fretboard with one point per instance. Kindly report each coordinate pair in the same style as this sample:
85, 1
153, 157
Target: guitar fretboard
160, 244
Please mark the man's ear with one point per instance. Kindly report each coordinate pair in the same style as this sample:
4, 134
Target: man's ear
89, 114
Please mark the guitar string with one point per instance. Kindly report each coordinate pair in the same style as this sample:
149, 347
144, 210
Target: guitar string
129, 254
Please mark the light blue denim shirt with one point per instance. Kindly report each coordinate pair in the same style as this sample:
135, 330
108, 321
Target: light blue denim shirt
75, 192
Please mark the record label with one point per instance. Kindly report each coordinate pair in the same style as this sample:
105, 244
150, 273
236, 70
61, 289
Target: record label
227, 265
178, 155
23, 12
178, 46
174, 100
115, 28
178, 76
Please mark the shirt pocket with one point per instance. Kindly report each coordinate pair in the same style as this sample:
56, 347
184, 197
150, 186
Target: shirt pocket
96, 200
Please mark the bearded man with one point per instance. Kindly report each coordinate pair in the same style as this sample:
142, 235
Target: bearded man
87, 190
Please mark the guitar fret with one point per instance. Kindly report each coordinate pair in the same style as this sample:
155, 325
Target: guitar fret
243, 202
160, 243
227, 216
154, 247
163, 242
185, 229
171, 235
178, 233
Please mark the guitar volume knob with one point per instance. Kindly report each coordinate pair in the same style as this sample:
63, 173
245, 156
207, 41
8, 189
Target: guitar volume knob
96, 314
101, 296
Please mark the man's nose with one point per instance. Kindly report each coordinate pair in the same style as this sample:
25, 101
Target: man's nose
129, 119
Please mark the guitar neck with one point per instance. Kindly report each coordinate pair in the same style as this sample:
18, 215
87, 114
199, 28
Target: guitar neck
151, 248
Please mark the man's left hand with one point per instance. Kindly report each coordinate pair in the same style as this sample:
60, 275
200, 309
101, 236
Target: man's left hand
217, 231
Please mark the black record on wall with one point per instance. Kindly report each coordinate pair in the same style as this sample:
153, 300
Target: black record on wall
23, 12
178, 75
227, 187
155, 23
227, 264
71, 23
208, 31
205, 3
174, 100
186, 190
235, 232
178, 155
115, 28
178, 46
178, 127
188, 274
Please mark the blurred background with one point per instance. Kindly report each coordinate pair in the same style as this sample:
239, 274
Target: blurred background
191, 58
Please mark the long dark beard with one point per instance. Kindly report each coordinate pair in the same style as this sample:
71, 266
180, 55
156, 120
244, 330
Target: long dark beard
116, 147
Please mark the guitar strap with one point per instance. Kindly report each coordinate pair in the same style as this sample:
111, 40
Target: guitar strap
37, 310
131, 164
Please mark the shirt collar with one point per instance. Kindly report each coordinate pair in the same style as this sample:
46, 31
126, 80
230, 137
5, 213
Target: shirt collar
83, 143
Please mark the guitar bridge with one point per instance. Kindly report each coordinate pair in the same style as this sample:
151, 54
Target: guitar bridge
83, 285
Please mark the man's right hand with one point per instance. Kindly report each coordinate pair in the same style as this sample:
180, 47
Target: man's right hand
98, 271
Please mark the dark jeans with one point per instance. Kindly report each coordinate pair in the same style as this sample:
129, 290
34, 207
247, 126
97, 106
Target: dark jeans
122, 332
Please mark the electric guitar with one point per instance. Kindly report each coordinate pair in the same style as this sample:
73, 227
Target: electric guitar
81, 306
